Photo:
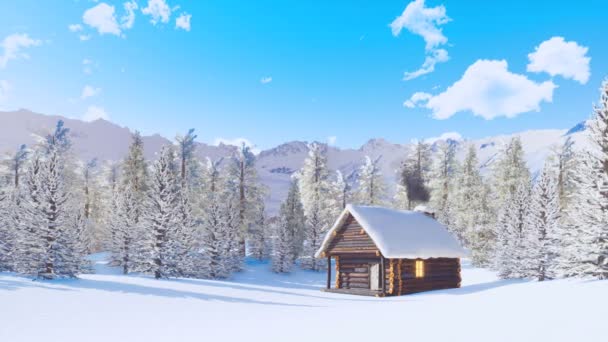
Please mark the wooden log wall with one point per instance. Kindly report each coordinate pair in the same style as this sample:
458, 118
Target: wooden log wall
352, 239
439, 273
354, 272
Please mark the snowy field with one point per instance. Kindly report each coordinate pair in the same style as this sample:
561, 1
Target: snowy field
258, 305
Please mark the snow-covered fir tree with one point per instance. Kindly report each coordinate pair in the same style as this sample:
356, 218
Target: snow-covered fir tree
342, 191
213, 228
242, 171
124, 226
189, 167
442, 182
371, 189
585, 240
473, 217
91, 206
564, 160
259, 236
51, 238
510, 250
288, 234
509, 171
27, 217
185, 258
159, 217
130, 205
10, 206
7, 237
540, 245
315, 189
231, 224
281, 245
134, 167
16, 164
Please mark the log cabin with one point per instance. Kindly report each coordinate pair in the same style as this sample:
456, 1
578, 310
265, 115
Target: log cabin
381, 252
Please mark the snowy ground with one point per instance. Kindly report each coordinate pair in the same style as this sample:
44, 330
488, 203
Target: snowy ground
260, 306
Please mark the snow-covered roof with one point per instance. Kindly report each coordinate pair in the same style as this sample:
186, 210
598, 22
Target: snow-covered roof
400, 234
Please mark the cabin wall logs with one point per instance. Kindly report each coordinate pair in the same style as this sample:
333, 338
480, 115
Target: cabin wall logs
352, 239
439, 273
352, 272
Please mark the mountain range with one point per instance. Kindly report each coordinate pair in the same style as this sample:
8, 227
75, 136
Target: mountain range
107, 141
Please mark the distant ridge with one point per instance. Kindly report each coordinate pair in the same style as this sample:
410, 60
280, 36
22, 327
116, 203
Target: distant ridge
276, 165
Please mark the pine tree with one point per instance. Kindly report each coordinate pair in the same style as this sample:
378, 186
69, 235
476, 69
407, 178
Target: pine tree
542, 224
259, 236
442, 182
188, 165
213, 229
53, 249
509, 171
125, 228
10, 203
585, 243
565, 164
511, 234
282, 259
16, 164
316, 199
129, 204
134, 167
371, 188
159, 217
250, 191
341, 192
289, 231
7, 238
231, 225
27, 218
185, 258
91, 207
472, 220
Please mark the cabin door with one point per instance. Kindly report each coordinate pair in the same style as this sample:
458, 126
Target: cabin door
374, 277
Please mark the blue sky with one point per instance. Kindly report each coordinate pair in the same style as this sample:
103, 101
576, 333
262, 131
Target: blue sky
275, 71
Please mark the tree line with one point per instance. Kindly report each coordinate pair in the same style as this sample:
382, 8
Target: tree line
180, 216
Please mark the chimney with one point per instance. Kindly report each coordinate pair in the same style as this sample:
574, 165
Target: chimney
425, 210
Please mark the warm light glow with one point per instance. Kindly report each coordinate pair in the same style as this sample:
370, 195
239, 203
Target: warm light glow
419, 269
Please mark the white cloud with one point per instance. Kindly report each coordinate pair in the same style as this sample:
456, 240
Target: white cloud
417, 98
84, 37
88, 66
159, 10
425, 22
75, 27
237, 142
95, 113
127, 20
5, 87
559, 57
266, 80
89, 91
488, 89
332, 140
13, 45
102, 18
431, 59
183, 21
444, 137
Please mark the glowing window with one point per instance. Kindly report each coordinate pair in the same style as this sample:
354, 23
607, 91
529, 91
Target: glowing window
419, 269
